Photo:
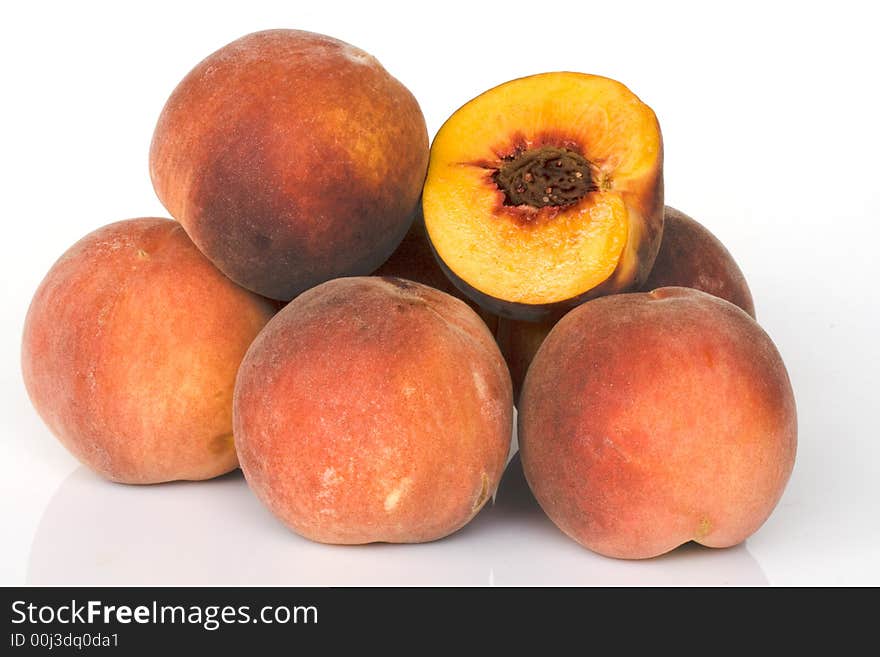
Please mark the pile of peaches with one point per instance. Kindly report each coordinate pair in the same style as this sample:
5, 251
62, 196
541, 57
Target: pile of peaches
350, 315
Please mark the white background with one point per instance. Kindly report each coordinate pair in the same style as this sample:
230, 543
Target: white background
769, 114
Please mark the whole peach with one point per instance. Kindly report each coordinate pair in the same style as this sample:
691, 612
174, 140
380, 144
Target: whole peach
291, 158
648, 420
373, 409
130, 350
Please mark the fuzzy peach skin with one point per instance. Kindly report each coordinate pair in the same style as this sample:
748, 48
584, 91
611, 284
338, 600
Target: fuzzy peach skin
519, 341
130, 350
291, 158
691, 256
651, 419
373, 410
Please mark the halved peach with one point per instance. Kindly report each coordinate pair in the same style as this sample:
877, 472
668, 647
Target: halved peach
546, 191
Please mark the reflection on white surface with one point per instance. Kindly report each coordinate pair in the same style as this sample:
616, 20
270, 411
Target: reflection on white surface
216, 532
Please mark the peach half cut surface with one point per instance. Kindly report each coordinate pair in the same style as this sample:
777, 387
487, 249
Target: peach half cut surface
546, 191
